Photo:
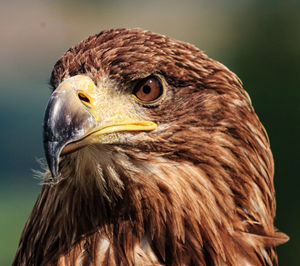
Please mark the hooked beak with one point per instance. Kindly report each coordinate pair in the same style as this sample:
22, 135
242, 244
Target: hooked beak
71, 121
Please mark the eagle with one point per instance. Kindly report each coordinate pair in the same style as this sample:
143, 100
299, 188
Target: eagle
155, 156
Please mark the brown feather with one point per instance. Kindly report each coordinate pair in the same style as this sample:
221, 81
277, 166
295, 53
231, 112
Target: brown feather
198, 191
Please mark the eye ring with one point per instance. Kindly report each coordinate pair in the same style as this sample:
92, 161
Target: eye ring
149, 90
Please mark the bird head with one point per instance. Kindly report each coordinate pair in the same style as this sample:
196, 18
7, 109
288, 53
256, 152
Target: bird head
138, 91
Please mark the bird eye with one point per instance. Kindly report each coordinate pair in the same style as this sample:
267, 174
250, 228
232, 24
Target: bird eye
149, 90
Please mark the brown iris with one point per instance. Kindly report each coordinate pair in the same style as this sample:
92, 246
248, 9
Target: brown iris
149, 90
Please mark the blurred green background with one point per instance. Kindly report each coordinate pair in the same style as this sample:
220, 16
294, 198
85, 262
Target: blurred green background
258, 40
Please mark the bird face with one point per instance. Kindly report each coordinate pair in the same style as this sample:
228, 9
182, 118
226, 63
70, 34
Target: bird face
80, 113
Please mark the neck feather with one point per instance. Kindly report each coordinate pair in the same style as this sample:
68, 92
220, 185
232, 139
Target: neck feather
178, 205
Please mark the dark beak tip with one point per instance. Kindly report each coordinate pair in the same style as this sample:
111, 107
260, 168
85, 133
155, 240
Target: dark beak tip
54, 170
52, 153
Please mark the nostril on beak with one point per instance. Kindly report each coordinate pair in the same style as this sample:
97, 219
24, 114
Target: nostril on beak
82, 97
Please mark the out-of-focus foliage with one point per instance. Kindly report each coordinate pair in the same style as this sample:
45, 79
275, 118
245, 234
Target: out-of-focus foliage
258, 40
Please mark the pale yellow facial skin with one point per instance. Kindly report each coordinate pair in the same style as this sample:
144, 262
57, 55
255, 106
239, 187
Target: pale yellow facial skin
110, 111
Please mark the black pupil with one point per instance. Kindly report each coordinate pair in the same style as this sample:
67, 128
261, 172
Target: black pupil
146, 89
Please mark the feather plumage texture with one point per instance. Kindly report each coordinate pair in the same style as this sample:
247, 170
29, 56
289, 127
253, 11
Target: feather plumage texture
196, 191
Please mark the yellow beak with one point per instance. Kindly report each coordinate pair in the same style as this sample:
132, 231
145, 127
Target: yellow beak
72, 120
